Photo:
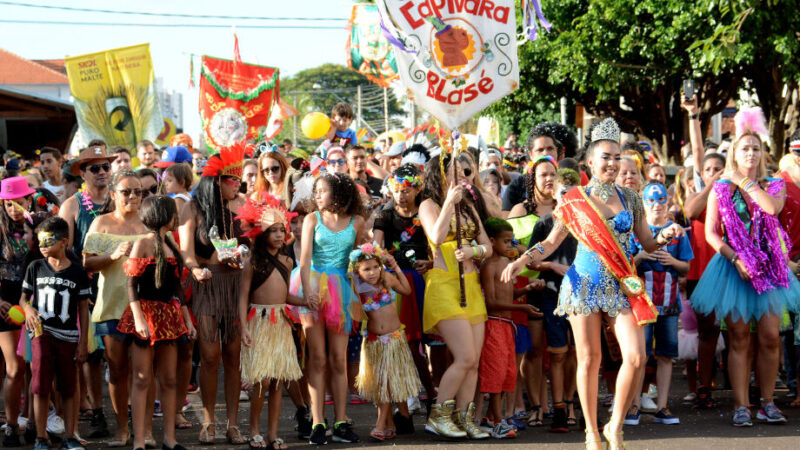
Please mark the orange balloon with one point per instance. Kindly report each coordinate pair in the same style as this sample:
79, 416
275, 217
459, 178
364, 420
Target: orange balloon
16, 315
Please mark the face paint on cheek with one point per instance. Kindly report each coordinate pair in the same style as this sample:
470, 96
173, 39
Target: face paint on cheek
655, 193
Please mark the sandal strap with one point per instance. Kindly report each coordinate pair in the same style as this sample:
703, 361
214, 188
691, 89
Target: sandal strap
257, 439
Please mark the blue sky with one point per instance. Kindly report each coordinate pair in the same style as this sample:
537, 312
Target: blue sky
291, 50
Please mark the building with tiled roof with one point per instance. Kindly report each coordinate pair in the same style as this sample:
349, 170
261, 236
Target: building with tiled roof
40, 77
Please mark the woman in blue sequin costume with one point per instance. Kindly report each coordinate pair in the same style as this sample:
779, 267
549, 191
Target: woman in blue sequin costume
590, 291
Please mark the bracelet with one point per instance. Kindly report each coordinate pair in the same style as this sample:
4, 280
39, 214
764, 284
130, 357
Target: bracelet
695, 116
733, 258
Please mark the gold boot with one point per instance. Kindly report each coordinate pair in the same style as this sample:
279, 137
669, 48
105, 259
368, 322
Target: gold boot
440, 421
466, 421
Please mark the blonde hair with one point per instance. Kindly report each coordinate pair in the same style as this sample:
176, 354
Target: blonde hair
730, 161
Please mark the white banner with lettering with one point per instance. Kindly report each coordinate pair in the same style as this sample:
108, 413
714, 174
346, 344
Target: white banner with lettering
455, 57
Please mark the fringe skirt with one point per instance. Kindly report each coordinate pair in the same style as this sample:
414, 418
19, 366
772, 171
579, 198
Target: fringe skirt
387, 372
273, 355
215, 303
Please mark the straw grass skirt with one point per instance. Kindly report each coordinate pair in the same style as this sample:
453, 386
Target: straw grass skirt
387, 372
273, 355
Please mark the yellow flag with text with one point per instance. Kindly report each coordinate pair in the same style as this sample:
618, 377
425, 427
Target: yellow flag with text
114, 95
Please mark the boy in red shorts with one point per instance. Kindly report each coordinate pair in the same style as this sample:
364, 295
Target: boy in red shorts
497, 371
55, 294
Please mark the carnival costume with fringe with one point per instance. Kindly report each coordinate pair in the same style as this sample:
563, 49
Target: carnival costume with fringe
273, 355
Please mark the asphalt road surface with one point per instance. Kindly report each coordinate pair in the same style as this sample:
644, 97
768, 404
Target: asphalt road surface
697, 430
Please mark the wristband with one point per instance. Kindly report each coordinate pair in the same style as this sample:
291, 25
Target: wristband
695, 116
733, 258
474, 252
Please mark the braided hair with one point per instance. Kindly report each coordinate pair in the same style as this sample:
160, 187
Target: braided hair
158, 211
530, 186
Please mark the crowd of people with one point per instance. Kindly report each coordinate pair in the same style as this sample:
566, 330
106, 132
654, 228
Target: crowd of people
421, 276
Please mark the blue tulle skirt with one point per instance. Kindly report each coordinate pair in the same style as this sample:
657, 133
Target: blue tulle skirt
722, 291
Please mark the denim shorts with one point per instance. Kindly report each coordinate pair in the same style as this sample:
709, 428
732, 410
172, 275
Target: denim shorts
665, 331
556, 328
108, 328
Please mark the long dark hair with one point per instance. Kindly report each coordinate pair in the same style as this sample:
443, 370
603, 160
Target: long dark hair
265, 262
7, 229
108, 202
434, 187
207, 203
156, 212
36, 219
345, 196
530, 186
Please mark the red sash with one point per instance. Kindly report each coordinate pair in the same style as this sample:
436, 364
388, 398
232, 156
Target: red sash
585, 222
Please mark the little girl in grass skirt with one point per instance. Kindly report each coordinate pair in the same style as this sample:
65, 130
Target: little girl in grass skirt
387, 373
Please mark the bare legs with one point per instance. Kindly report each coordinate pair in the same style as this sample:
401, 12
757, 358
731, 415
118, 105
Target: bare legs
118, 376
586, 330
15, 373
335, 360
631, 338
166, 363
211, 353
464, 341
766, 361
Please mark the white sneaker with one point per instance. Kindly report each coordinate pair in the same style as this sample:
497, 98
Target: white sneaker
648, 405
55, 424
414, 405
690, 397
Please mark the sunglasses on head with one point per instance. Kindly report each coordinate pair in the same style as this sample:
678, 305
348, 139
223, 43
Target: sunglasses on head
274, 169
95, 168
337, 162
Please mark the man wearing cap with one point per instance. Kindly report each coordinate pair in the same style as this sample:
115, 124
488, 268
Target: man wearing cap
174, 155
12, 167
146, 152
391, 159
357, 166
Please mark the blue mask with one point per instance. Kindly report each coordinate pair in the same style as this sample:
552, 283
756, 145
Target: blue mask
655, 193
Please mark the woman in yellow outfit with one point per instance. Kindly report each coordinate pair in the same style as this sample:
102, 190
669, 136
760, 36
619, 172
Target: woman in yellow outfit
461, 327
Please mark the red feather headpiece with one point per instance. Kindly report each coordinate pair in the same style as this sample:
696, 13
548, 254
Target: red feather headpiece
229, 162
263, 213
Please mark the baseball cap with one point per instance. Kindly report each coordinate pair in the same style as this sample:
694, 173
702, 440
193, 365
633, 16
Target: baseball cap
173, 155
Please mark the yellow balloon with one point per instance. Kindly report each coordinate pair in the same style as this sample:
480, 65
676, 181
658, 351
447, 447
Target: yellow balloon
315, 125
16, 315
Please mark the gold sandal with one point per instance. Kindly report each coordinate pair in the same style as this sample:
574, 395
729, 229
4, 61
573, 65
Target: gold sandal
591, 439
207, 433
613, 444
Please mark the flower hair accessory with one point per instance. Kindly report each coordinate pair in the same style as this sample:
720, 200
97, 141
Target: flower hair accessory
365, 252
398, 183
229, 162
265, 213
530, 166
750, 120
468, 187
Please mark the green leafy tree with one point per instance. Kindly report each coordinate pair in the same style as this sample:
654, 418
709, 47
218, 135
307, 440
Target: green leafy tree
621, 58
321, 87
762, 39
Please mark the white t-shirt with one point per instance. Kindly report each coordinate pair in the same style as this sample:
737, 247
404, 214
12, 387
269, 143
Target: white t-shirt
58, 191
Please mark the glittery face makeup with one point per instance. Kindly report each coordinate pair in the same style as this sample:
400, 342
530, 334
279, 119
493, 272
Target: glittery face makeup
48, 239
655, 193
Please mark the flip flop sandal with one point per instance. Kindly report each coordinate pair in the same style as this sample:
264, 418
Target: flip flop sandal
390, 433
257, 439
377, 435
277, 444
534, 420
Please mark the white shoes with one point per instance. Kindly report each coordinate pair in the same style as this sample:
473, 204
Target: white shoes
648, 405
55, 424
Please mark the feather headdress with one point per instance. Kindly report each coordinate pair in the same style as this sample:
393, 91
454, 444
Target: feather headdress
750, 120
265, 213
229, 162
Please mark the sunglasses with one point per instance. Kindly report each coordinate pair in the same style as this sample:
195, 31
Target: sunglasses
152, 190
274, 169
128, 192
95, 168
466, 171
337, 162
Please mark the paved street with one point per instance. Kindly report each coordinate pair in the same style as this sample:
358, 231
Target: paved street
698, 430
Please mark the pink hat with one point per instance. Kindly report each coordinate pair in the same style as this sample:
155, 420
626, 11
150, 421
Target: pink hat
15, 187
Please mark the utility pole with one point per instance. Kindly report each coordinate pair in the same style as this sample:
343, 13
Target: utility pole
385, 109
358, 107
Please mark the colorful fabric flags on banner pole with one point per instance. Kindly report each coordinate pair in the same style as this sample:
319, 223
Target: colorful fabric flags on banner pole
368, 51
235, 100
